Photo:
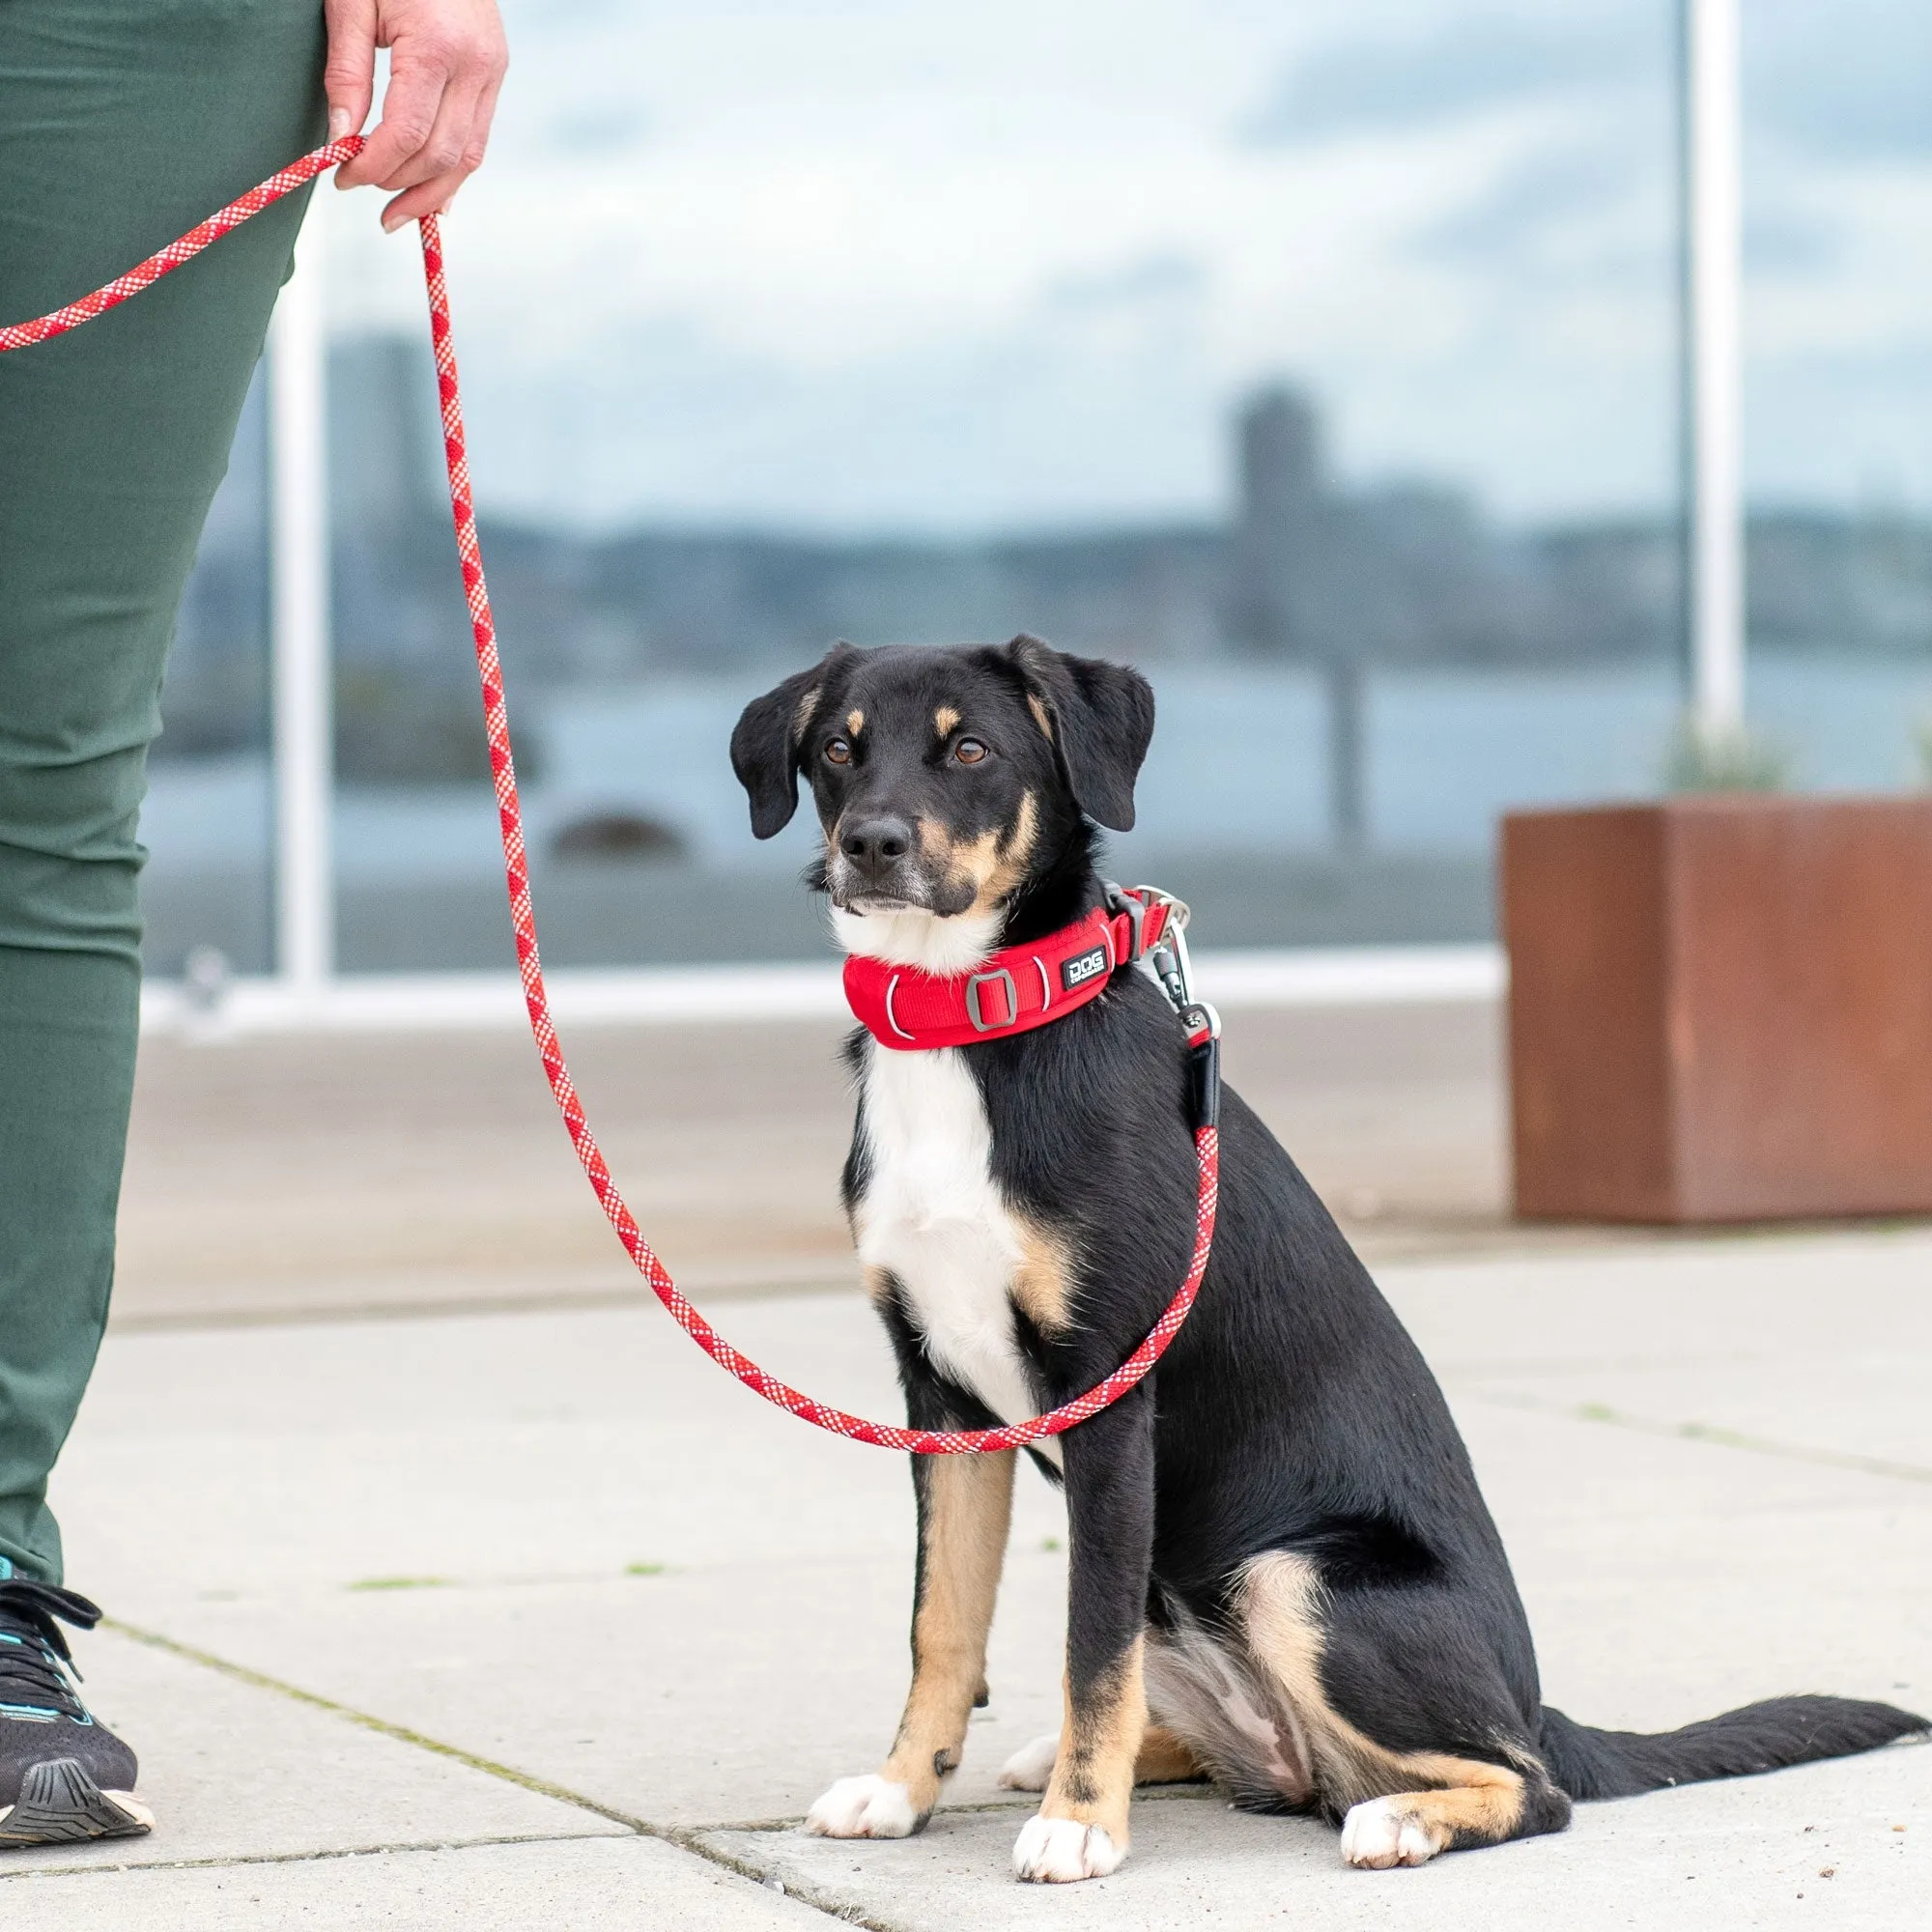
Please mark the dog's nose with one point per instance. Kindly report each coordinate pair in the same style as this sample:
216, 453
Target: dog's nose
877, 844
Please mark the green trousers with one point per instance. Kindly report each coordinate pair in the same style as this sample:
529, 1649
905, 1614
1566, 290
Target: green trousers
122, 123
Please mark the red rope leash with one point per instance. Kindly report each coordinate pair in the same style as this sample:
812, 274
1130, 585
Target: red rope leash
167, 260
497, 717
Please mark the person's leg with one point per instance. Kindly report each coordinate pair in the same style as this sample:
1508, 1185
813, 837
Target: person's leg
122, 123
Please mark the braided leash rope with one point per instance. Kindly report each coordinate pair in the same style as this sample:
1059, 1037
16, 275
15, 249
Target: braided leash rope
522, 917
165, 261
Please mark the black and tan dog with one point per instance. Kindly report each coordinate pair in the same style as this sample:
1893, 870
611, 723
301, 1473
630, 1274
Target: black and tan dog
1284, 1575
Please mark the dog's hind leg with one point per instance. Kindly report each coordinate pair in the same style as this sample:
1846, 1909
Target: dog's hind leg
1349, 1663
1476, 1805
1165, 1757
965, 1506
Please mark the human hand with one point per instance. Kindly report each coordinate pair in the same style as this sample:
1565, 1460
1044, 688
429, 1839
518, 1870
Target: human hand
446, 62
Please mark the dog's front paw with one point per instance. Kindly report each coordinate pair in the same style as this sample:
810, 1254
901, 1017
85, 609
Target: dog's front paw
1031, 1766
1057, 1851
863, 1807
1383, 1834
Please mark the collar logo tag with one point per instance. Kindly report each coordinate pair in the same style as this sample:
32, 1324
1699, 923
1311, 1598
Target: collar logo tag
1084, 966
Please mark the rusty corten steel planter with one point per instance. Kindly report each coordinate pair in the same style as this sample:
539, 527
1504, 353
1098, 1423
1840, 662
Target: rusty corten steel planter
1720, 1007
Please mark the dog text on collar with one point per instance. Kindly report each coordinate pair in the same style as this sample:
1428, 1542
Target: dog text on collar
1084, 966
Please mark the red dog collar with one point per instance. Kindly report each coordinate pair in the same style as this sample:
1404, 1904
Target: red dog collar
1016, 989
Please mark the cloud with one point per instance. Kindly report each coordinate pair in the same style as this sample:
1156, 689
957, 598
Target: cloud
1540, 202
1387, 83
1851, 82
592, 131
1791, 242
1159, 277
868, 269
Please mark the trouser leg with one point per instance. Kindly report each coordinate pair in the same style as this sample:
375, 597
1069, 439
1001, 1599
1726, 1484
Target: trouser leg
122, 123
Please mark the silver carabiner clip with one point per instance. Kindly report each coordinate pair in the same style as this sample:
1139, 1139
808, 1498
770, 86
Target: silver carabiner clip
1173, 969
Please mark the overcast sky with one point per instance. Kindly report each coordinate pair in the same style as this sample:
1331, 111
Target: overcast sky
864, 263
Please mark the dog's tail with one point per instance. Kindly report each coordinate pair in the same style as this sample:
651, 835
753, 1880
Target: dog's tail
1589, 1763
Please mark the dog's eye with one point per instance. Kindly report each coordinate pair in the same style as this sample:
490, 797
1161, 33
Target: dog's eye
839, 753
968, 750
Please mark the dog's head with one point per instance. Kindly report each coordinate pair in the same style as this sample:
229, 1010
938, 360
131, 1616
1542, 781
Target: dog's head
946, 781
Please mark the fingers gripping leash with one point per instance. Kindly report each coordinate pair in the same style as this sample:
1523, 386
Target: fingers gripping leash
1195, 1018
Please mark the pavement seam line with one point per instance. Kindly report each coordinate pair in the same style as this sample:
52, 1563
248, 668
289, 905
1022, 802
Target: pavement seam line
687, 1840
1703, 1431
218, 1862
368, 1722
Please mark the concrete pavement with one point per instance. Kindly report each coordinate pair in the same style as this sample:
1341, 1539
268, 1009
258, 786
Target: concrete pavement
454, 1587
306, 1174
589, 1626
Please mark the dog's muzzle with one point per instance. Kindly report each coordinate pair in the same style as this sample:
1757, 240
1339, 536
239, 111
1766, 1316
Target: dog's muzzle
871, 867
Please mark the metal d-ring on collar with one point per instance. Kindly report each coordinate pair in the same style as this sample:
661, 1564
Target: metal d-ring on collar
1168, 960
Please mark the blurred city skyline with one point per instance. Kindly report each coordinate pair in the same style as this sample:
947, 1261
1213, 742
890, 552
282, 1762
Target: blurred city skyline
1304, 568
864, 265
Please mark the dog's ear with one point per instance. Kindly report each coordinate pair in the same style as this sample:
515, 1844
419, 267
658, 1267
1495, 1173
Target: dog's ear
765, 745
1100, 718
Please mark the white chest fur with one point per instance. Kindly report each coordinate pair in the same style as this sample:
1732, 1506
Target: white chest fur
933, 1215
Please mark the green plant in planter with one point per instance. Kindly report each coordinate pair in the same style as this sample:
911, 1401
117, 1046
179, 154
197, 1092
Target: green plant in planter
1740, 759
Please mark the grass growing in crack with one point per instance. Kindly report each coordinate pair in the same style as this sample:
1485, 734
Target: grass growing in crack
645, 1569
400, 1583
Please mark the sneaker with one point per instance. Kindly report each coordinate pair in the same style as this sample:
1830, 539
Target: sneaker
63, 1777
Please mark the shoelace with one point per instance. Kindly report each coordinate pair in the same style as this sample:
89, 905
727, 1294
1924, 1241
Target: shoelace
36, 1666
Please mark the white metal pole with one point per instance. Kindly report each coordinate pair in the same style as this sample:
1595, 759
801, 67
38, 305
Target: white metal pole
300, 651
1714, 227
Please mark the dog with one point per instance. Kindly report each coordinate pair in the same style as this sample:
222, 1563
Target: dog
1283, 1574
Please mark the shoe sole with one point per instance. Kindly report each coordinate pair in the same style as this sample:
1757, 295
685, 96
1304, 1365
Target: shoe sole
61, 1805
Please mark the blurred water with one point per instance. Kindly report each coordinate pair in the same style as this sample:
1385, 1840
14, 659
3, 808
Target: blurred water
1238, 761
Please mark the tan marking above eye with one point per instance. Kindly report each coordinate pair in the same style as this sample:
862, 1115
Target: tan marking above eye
945, 721
854, 721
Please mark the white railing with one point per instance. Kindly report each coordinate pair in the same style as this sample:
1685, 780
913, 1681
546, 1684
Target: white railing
1712, 203
302, 701
1342, 975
